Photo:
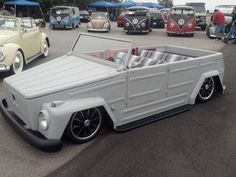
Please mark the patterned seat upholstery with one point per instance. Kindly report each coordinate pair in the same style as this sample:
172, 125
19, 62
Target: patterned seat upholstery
120, 57
158, 56
169, 58
136, 61
149, 62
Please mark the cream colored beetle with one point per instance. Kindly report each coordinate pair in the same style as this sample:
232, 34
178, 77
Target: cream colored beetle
21, 41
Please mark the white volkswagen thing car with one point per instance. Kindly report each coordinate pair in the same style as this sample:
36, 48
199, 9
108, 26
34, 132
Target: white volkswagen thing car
107, 78
21, 41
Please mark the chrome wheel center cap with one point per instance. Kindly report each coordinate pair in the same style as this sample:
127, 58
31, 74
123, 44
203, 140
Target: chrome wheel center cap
207, 87
86, 123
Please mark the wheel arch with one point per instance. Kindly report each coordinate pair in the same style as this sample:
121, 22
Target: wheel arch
61, 114
219, 85
10, 50
43, 38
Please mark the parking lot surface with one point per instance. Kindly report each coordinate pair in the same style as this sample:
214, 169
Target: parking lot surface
19, 159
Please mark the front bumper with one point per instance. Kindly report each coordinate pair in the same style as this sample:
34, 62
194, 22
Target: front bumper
137, 30
180, 32
3, 68
99, 30
46, 145
61, 25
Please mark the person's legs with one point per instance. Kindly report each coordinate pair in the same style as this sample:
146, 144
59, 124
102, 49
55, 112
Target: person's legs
222, 31
231, 33
219, 30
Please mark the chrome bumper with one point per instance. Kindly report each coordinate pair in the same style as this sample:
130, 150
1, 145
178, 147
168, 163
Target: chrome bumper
3, 67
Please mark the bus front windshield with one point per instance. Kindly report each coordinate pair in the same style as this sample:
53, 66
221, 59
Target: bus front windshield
136, 12
60, 11
187, 12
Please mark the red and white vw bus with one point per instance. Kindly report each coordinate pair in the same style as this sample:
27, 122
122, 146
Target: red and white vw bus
181, 21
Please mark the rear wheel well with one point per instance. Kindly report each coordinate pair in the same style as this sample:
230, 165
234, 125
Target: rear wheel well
107, 119
22, 54
48, 41
218, 85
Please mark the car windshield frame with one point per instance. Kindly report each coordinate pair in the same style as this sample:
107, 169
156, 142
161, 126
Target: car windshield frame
99, 15
89, 43
11, 25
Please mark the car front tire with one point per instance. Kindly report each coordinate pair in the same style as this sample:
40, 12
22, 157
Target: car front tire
84, 125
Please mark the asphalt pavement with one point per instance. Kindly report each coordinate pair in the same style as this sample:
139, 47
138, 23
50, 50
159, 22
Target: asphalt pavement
148, 149
197, 143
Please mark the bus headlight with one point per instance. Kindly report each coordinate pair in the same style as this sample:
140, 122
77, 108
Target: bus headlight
44, 120
172, 25
127, 24
190, 25
143, 24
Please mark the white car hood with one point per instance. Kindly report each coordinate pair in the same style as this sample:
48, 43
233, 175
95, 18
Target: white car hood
60, 74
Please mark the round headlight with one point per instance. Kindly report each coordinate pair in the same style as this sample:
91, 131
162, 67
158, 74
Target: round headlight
172, 25
127, 24
190, 25
143, 24
43, 120
2, 55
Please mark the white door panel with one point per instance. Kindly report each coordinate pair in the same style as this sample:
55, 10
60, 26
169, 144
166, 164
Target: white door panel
146, 85
182, 77
31, 42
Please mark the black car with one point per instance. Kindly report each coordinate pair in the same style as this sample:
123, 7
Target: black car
84, 16
158, 19
138, 19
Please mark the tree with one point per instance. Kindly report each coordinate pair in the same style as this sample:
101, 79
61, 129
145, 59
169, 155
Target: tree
166, 3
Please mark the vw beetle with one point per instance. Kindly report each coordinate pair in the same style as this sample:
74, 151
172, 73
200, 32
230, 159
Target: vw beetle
21, 41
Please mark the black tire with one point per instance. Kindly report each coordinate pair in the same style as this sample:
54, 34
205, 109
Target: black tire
207, 90
84, 125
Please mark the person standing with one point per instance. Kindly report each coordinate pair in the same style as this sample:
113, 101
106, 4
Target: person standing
232, 29
219, 21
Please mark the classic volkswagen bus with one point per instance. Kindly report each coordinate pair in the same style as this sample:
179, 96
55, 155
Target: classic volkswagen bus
138, 19
64, 17
181, 21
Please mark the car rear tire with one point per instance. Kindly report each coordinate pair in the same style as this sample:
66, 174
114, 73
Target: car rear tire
18, 63
207, 90
84, 125
45, 48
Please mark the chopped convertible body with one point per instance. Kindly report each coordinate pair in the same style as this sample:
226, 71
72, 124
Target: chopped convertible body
130, 84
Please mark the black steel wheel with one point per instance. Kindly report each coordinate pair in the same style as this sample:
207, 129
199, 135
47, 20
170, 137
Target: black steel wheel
207, 90
84, 125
